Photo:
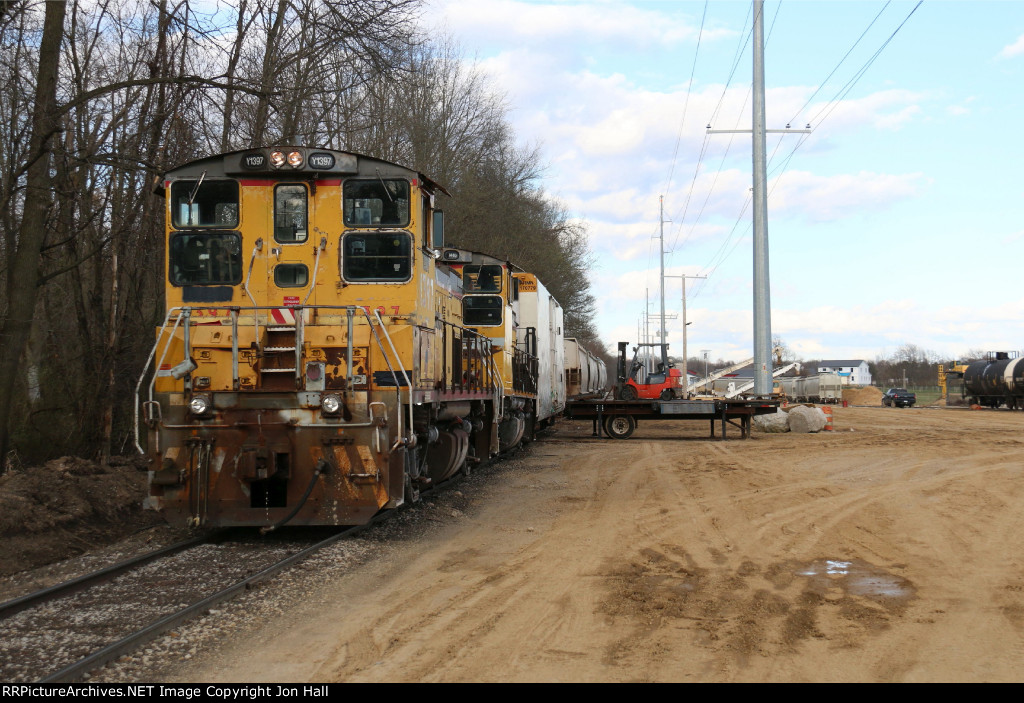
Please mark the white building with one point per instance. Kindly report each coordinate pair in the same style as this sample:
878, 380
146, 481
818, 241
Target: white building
853, 372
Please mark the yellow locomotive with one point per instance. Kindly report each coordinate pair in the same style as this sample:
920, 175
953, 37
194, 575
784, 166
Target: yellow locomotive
323, 356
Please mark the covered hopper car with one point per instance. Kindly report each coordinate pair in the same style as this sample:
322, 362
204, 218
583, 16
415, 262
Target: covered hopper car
821, 388
586, 376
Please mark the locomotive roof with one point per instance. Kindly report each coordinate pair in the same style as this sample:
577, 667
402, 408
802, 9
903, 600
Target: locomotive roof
316, 162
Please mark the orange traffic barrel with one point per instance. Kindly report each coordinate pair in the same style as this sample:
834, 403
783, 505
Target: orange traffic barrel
827, 409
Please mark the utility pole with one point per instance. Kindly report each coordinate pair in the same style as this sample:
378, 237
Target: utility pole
705, 353
647, 307
762, 287
661, 279
686, 377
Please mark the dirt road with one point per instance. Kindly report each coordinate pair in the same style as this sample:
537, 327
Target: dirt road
891, 549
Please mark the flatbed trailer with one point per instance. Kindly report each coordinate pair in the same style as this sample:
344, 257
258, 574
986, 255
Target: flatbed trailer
619, 418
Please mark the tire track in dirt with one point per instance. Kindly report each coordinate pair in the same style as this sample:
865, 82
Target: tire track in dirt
663, 558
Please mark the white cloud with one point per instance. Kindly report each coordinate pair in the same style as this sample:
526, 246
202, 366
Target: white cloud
830, 331
594, 127
605, 110
1012, 50
885, 109
824, 198
520, 22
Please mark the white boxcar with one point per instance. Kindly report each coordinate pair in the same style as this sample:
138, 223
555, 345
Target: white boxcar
537, 309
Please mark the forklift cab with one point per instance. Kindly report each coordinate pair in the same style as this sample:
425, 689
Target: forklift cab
664, 384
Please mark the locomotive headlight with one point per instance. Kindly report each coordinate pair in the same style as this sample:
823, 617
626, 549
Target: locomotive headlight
199, 404
295, 159
277, 159
330, 404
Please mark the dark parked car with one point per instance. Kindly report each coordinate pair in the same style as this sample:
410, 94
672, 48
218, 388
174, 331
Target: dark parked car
899, 398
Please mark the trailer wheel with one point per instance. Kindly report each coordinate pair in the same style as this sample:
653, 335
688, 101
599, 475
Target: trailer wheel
620, 426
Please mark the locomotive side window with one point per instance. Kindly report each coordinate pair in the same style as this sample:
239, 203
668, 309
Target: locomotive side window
377, 257
483, 278
482, 310
377, 202
291, 275
204, 203
290, 214
212, 258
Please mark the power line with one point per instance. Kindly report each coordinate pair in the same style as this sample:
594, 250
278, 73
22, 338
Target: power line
714, 182
740, 48
841, 61
686, 103
824, 113
845, 90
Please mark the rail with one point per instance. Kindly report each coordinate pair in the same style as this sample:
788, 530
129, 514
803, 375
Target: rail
77, 670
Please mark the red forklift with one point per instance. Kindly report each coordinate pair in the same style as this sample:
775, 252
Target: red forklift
666, 383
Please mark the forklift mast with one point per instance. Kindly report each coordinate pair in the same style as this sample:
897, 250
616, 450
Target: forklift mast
625, 371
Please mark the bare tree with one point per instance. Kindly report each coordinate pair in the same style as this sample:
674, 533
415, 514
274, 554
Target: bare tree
88, 125
23, 271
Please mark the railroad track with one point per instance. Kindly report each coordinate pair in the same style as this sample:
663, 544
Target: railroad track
61, 633
86, 581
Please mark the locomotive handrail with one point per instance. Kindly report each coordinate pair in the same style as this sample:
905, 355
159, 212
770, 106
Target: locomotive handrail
316, 268
499, 389
374, 421
257, 247
410, 441
182, 314
235, 385
145, 369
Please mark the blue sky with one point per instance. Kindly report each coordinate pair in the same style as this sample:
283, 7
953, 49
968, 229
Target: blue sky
899, 220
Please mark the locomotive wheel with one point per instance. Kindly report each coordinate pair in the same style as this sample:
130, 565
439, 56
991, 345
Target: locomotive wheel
620, 426
627, 393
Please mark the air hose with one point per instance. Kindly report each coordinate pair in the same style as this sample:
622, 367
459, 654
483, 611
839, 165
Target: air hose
321, 467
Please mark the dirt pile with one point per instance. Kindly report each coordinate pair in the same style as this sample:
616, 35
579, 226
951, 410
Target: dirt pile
868, 395
68, 506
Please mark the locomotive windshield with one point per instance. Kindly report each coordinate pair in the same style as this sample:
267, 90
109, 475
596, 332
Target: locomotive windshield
290, 213
377, 257
485, 278
377, 202
204, 203
482, 310
212, 258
